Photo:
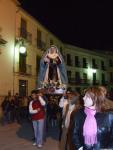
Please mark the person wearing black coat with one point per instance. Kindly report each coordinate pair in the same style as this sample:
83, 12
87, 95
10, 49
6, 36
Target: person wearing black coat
92, 125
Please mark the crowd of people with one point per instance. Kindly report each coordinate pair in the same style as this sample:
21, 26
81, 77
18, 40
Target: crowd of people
15, 108
85, 121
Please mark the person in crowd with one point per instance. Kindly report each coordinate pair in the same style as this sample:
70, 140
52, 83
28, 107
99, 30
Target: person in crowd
108, 102
41, 93
52, 68
12, 108
17, 108
61, 105
37, 111
52, 110
6, 110
92, 125
69, 106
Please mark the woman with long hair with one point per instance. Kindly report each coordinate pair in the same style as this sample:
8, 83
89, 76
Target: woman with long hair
93, 125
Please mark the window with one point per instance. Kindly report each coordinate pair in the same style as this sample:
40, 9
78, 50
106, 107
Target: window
23, 28
94, 65
111, 76
84, 63
23, 87
94, 78
77, 77
103, 78
85, 76
69, 60
22, 63
38, 38
110, 63
102, 65
77, 63
69, 74
61, 50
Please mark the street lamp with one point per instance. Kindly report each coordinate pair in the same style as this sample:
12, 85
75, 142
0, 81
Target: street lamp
22, 49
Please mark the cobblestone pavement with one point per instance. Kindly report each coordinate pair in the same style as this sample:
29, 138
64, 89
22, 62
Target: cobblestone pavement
19, 137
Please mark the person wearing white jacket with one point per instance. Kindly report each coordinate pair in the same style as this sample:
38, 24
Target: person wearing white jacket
69, 106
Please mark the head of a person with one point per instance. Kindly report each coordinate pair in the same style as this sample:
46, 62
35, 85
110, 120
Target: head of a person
94, 98
53, 49
34, 94
71, 94
40, 92
103, 89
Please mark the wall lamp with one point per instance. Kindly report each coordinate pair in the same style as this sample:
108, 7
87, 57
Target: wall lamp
21, 44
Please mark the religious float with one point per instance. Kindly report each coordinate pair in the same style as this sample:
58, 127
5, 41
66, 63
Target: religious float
52, 73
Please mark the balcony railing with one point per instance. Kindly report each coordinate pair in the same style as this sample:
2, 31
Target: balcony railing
78, 81
71, 81
69, 62
103, 68
103, 82
85, 81
25, 70
85, 65
94, 66
77, 64
95, 82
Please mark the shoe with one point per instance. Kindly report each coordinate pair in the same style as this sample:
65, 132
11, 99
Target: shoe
39, 145
34, 144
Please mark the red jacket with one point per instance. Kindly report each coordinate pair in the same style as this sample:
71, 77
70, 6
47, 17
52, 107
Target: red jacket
40, 114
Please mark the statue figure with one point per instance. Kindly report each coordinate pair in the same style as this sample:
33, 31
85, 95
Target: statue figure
52, 69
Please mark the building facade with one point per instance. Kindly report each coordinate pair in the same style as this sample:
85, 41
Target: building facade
86, 67
7, 40
23, 40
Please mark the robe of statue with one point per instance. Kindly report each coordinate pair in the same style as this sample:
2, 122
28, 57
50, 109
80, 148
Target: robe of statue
52, 68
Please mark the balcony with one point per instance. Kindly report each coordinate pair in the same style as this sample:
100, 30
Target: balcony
85, 81
103, 68
25, 35
23, 70
85, 65
94, 66
104, 83
77, 64
69, 62
71, 81
74, 81
95, 82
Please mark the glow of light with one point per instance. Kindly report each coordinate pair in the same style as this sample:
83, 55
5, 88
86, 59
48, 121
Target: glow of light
90, 72
22, 49
94, 71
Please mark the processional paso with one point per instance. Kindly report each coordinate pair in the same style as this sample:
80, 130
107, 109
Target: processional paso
52, 73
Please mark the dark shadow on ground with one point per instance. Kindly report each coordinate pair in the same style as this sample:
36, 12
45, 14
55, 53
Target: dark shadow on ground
26, 131
53, 132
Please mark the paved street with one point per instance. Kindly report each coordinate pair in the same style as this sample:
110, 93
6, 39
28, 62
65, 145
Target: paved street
19, 137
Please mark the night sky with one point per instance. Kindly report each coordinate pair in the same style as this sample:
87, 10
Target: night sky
83, 23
